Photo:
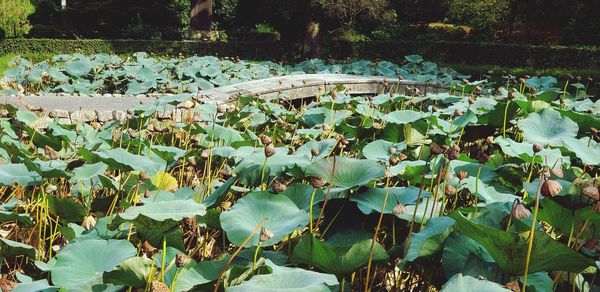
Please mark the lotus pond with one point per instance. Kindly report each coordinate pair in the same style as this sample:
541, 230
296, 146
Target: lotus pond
478, 189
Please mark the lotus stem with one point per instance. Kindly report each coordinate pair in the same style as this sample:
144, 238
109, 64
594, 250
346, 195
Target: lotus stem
237, 251
263, 186
310, 211
532, 232
504, 122
255, 256
477, 187
387, 194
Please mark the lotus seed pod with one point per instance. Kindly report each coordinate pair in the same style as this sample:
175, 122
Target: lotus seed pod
50, 188
450, 190
182, 260
393, 161
435, 149
314, 152
537, 148
392, 150
204, 155
592, 193
220, 109
325, 127
461, 174
147, 193
513, 286
157, 286
399, 209
144, 176
596, 207
265, 140
594, 131
89, 222
278, 187
453, 152
377, 126
317, 182
265, 234
270, 150
519, 211
51, 153
551, 188
192, 160
434, 109
458, 112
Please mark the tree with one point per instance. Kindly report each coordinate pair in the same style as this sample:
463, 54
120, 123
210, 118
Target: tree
483, 15
13, 17
347, 11
201, 15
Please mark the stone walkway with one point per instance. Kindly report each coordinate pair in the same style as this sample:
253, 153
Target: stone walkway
102, 108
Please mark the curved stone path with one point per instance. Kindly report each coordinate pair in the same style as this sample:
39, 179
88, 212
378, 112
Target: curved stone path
105, 108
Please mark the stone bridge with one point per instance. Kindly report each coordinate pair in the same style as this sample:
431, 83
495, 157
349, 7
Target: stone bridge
104, 108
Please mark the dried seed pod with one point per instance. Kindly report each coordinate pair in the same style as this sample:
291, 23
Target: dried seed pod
519, 211
265, 234
192, 160
399, 209
402, 157
270, 150
278, 187
483, 158
435, 149
158, 286
458, 112
592, 193
511, 95
325, 127
434, 109
558, 172
471, 101
204, 155
144, 176
537, 148
50, 188
89, 222
182, 260
392, 150
461, 174
489, 139
393, 161
596, 207
514, 286
453, 152
551, 188
51, 153
265, 140
314, 152
225, 205
450, 190
147, 193
317, 181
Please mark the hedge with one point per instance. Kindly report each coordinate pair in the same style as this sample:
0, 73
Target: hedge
511, 55
243, 49
445, 52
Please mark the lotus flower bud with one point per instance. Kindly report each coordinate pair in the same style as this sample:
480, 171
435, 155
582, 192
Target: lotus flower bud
392, 150
182, 260
461, 174
519, 211
265, 140
393, 161
265, 234
89, 222
558, 172
450, 190
551, 188
592, 193
399, 209
317, 182
144, 176
435, 149
278, 187
537, 148
270, 150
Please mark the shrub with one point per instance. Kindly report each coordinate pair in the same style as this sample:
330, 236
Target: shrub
483, 15
13, 17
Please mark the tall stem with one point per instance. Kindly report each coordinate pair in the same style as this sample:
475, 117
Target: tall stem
531, 233
387, 194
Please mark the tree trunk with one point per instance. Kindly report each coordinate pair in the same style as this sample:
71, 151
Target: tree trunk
312, 36
201, 15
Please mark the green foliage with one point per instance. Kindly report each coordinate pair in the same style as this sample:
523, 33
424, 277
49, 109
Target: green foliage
483, 15
13, 17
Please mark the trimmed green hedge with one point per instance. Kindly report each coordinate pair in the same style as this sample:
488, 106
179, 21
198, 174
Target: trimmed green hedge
243, 49
470, 53
444, 52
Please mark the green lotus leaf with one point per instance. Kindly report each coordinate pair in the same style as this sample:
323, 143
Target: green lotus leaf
509, 249
586, 150
280, 215
287, 279
339, 255
18, 174
78, 68
378, 150
162, 210
404, 116
463, 255
80, 265
133, 272
300, 194
547, 128
38, 286
372, 199
431, 239
470, 284
119, 158
524, 151
347, 172
66, 208
10, 249
195, 274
